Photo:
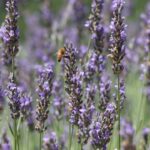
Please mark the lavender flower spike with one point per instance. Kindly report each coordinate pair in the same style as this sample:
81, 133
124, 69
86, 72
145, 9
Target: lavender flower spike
9, 33
102, 129
44, 92
13, 93
73, 83
118, 36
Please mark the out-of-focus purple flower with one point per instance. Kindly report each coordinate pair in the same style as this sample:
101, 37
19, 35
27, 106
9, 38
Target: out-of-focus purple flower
90, 68
86, 115
59, 102
146, 66
45, 82
46, 14
118, 36
2, 99
5, 143
127, 132
146, 20
79, 11
50, 141
73, 83
146, 133
102, 129
38, 44
9, 32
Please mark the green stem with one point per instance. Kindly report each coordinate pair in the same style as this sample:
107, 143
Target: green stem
118, 109
81, 146
41, 140
70, 135
15, 134
28, 136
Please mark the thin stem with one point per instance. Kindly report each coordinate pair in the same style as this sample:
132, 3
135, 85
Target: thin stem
41, 140
70, 135
15, 134
28, 136
81, 146
118, 109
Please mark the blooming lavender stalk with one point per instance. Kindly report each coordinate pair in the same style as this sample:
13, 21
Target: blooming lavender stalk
117, 48
118, 36
44, 92
13, 93
146, 20
102, 129
9, 33
19, 103
86, 115
95, 25
90, 69
73, 87
73, 83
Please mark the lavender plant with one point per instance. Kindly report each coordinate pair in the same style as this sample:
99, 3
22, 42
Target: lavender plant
117, 49
9, 33
44, 92
79, 109
102, 128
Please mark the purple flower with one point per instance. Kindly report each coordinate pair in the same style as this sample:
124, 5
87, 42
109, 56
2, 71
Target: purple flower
127, 132
59, 101
73, 83
86, 115
105, 94
25, 105
118, 36
102, 128
95, 25
146, 133
90, 68
146, 44
13, 93
4, 142
19, 102
50, 141
2, 99
44, 90
9, 32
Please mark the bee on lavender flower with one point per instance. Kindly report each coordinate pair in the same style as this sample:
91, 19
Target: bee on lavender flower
60, 54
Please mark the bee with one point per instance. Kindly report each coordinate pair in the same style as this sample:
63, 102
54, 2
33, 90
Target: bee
60, 53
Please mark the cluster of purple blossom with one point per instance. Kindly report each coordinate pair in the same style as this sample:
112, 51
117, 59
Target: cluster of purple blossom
78, 93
